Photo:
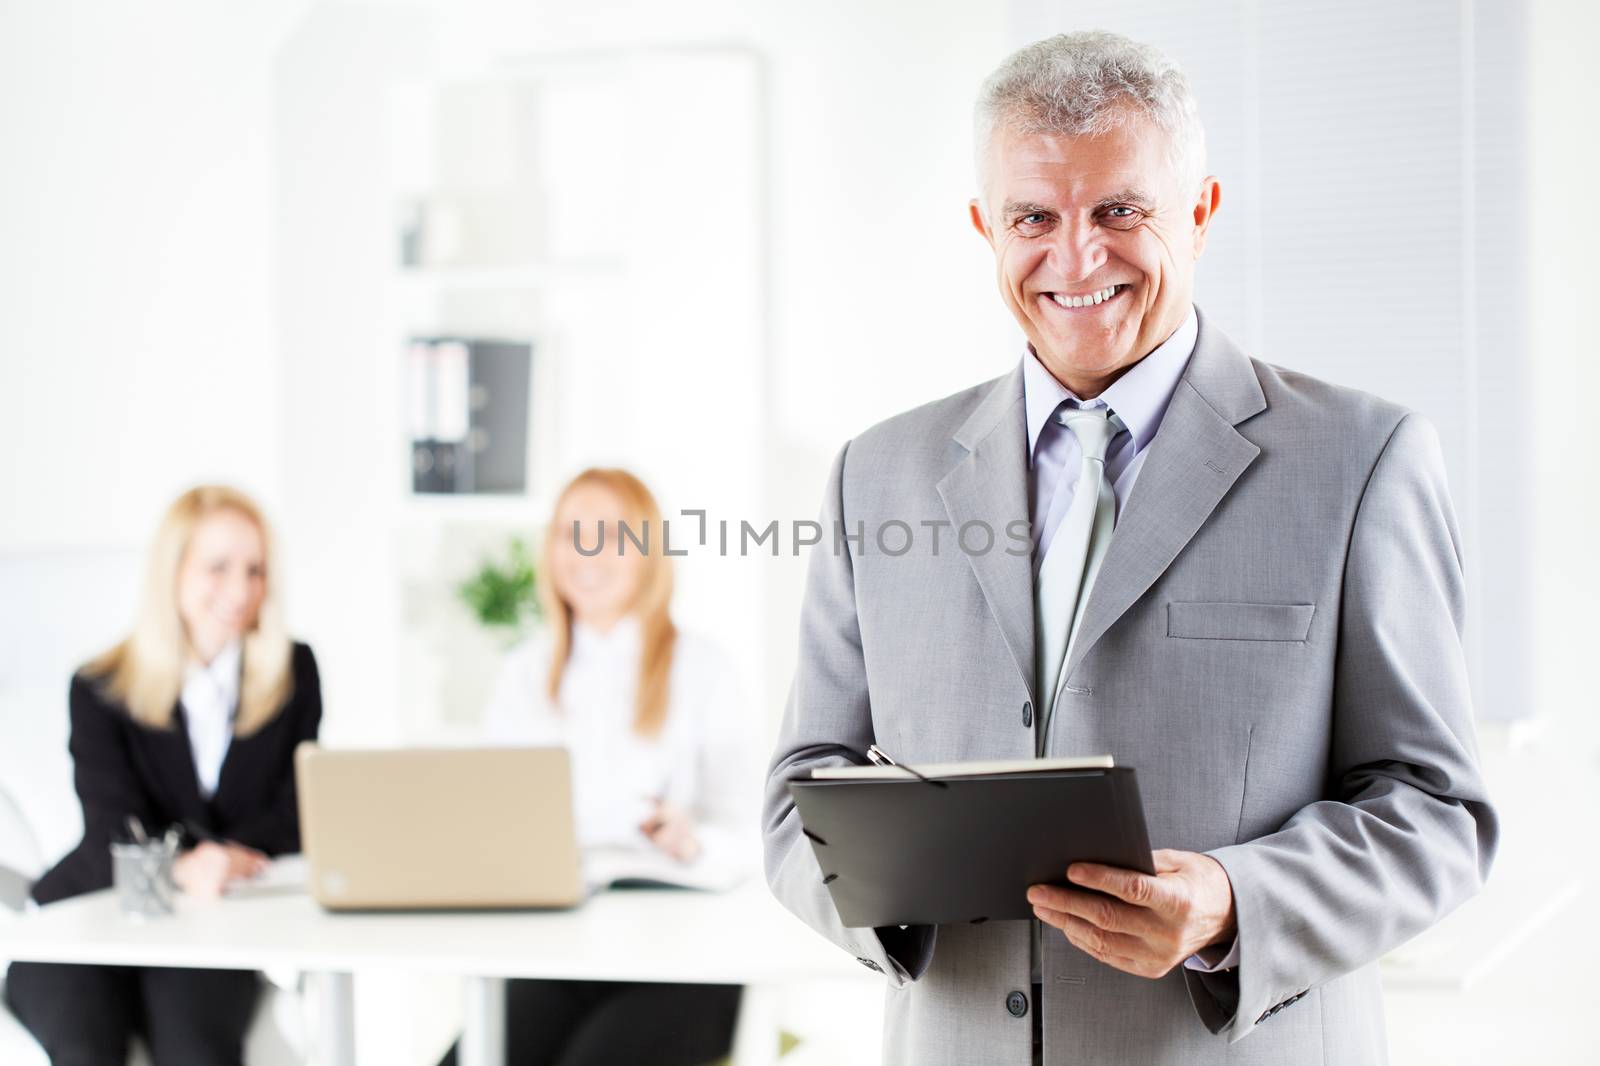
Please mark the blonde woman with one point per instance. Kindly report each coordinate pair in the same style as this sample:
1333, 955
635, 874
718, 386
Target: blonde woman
665, 764
192, 722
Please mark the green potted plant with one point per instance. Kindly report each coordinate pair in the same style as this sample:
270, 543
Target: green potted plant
503, 593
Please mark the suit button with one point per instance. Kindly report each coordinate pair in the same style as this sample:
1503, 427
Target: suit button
869, 964
1027, 716
1017, 1004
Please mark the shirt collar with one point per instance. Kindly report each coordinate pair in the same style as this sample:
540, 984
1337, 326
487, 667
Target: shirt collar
1139, 397
221, 674
620, 637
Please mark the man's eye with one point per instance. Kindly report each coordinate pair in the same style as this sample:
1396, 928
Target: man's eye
1033, 218
1122, 212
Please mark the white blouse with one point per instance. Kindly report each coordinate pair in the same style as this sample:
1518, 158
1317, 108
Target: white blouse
706, 759
210, 697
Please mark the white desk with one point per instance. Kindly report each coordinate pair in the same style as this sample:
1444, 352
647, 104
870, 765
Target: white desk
740, 937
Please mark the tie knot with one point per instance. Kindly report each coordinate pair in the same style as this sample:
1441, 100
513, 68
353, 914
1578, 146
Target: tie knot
1094, 427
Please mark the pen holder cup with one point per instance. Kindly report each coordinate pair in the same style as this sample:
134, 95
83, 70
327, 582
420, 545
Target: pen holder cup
142, 876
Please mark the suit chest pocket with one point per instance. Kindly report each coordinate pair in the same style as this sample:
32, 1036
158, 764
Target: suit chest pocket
1284, 622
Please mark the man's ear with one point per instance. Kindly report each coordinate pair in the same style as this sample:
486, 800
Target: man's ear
975, 209
1205, 208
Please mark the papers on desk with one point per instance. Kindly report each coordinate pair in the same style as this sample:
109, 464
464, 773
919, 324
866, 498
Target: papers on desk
285, 874
628, 867
602, 867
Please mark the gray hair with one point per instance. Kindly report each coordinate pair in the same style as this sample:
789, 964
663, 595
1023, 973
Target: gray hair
1090, 83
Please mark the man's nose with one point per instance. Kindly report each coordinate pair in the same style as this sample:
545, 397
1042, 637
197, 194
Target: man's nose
1076, 252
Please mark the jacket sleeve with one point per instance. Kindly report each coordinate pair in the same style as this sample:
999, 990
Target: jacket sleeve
275, 829
1406, 833
828, 722
109, 790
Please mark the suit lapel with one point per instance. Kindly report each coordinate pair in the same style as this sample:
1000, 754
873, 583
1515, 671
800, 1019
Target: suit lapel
1194, 461
990, 485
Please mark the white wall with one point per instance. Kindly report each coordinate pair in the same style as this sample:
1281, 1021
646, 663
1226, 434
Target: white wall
336, 366
1564, 276
135, 286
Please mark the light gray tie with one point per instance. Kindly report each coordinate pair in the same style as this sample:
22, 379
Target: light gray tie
1073, 556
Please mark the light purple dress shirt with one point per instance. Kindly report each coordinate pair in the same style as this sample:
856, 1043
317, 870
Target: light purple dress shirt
1140, 398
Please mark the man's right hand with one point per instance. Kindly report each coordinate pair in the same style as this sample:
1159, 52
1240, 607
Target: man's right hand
211, 867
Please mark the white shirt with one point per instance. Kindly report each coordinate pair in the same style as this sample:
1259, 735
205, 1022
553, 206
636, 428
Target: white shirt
210, 698
706, 758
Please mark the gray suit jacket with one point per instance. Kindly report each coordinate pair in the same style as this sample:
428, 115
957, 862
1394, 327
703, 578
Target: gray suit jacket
1273, 641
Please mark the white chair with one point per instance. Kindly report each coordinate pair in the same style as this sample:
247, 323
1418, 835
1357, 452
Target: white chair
19, 859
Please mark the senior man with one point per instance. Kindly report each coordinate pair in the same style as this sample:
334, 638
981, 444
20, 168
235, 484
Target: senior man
1242, 581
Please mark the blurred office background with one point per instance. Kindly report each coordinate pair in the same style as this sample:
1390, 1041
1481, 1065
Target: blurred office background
340, 254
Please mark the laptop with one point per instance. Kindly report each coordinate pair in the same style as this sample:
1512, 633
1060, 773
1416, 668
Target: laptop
438, 828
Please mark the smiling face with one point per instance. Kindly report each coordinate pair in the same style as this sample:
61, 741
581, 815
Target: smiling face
222, 580
1095, 242
603, 586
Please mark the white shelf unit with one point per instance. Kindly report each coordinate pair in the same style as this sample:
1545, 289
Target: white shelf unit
606, 208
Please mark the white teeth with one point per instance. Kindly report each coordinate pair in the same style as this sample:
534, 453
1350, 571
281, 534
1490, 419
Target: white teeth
1084, 301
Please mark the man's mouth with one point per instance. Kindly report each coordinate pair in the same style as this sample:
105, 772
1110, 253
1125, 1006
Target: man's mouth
1088, 299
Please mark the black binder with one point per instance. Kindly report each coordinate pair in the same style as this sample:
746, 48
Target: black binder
910, 851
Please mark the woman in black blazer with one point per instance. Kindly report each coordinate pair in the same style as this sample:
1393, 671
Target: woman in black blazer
191, 721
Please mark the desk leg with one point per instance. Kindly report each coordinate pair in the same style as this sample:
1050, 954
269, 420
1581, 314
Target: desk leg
755, 1036
483, 1023
336, 1025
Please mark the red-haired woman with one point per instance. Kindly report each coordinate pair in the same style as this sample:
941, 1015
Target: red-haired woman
664, 763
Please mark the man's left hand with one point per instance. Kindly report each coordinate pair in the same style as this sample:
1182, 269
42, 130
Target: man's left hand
1141, 924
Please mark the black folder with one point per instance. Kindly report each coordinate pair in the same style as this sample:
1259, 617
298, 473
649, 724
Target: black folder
910, 851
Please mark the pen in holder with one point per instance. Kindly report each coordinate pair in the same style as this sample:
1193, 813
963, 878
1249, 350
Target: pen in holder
141, 872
